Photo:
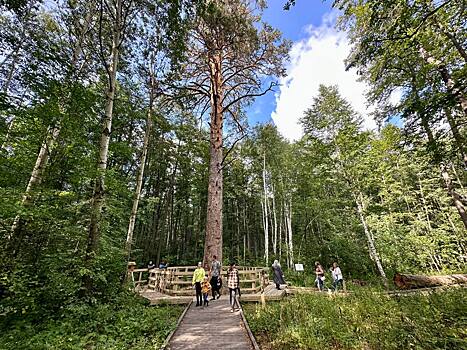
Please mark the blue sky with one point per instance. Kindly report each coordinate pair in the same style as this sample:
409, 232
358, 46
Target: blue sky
317, 57
292, 24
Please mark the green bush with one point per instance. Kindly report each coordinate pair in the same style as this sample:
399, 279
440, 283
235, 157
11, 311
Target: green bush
363, 320
128, 323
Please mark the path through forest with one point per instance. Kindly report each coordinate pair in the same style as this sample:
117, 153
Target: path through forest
211, 328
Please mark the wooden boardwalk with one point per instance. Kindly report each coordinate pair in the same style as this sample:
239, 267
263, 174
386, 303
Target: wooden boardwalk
211, 328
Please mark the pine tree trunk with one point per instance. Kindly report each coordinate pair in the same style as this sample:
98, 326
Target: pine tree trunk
213, 241
98, 197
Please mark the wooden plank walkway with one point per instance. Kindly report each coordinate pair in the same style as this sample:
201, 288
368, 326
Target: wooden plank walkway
211, 328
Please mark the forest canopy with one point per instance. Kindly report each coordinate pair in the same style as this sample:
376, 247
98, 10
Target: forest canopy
124, 137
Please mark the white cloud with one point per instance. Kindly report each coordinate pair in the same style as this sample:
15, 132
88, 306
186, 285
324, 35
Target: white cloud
318, 59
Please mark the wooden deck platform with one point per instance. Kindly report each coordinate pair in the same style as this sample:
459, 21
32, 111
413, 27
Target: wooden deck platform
211, 328
157, 298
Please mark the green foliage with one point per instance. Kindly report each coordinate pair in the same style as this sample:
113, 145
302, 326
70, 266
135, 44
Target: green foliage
363, 320
125, 323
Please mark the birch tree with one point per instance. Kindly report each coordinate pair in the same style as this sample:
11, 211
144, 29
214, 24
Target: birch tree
70, 73
332, 120
117, 14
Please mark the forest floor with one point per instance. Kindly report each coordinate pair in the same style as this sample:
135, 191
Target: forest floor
362, 320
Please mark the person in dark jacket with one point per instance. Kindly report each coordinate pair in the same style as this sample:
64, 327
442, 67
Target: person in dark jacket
278, 274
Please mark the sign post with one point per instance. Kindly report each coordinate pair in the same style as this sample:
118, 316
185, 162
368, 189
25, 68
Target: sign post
299, 268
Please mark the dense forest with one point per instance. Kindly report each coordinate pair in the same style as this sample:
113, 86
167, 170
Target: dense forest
125, 137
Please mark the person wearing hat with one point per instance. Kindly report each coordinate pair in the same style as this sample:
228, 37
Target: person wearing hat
198, 277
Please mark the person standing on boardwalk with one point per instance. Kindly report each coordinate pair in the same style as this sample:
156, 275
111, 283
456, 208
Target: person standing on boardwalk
198, 277
233, 282
205, 289
337, 278
319, 276
278, 274
215, 276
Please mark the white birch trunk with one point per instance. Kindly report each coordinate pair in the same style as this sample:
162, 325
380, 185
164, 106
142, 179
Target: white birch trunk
48, 144
290, 248
266, 220
99, 185
280, 236
139, 179
274, 239
371, 244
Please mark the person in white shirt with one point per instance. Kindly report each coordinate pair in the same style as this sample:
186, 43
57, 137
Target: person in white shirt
336, 277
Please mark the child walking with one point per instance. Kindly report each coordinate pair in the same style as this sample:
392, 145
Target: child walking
205, 289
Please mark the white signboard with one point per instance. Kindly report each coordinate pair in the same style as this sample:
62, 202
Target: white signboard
298, 267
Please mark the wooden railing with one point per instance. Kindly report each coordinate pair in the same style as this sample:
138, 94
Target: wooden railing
140, 278
178, 280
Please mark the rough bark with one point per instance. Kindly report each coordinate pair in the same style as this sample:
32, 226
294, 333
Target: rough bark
98, 196
213, 241
406, 281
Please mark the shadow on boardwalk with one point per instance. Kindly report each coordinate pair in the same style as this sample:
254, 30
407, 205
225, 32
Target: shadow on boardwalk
211, 328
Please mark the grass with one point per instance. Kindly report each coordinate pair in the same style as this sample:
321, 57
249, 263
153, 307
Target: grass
125, 324
364, 320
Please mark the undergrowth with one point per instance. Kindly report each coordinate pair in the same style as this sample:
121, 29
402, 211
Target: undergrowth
127, 323
364, 320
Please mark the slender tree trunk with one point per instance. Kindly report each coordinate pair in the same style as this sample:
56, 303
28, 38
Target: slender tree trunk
290, 248
51, 137
425, 206
245, 233
461, 142
280, 233
36, 175
139, 177
428, 221
274, 239
266, 216
456, 197
453, 167
5, 89
98, 197
371, 244
213, 241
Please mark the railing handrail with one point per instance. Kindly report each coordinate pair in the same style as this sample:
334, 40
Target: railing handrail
177, 279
